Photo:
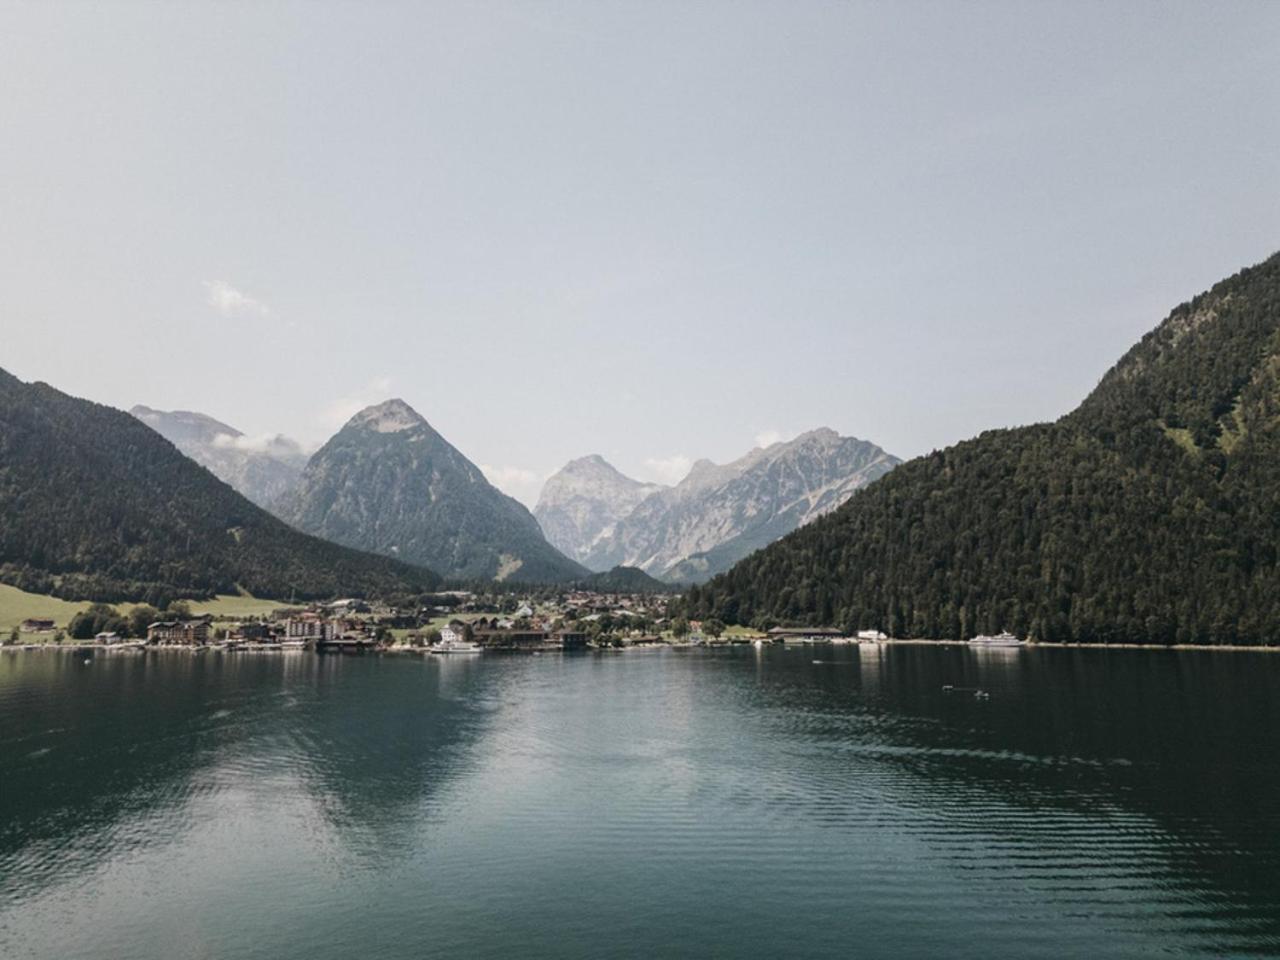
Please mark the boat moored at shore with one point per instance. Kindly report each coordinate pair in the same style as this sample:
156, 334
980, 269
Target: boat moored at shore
455, 646
1003, 639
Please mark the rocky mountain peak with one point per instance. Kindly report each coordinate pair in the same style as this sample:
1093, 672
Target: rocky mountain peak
820, 435
583, 500
390, 416
592, 463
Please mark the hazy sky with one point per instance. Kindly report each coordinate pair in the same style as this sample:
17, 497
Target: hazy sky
655, 231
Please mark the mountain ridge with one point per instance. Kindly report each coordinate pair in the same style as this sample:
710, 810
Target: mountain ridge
721, 512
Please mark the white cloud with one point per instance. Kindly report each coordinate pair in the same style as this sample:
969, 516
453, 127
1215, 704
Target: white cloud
230, 302
342, 409
272, 443
670, 470
767, 438
518, 482
228, 442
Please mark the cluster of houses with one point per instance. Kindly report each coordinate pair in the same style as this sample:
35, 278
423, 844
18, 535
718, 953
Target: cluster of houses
547, 621
504, 634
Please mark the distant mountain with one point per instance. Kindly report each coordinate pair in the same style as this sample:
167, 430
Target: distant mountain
582, 503
389, 483
263, 470
720, 513
96, 505
623, 580
1149, 514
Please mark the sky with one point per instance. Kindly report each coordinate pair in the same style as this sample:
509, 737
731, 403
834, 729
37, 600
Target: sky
656, 231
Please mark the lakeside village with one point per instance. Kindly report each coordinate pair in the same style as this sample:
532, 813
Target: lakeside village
451, 622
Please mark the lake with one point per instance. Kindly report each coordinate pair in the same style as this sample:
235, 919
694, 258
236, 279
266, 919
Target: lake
815, 801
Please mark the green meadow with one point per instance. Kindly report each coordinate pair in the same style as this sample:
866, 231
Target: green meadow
18, 605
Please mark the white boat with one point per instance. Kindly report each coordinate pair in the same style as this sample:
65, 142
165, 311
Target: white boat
293, 644
1004, 639
455, 646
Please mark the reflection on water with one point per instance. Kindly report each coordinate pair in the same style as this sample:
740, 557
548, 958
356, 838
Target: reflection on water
819, 801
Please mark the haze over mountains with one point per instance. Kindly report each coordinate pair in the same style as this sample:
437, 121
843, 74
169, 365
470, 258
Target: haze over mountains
714, 516
264, 470
1151, 513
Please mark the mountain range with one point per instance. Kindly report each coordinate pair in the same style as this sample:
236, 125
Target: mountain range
712, 518
1151, 513
95, 505
389, 483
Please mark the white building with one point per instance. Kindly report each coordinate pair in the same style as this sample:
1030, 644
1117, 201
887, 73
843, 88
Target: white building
455, 631
309, 628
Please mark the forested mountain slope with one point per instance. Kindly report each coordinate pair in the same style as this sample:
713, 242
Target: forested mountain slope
1151, 513
94, 504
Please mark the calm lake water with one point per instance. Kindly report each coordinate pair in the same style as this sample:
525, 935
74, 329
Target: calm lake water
817, 802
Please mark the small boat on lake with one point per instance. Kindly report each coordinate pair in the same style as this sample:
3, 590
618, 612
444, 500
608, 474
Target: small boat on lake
1004, 639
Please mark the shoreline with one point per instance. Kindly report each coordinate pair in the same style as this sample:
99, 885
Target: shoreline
1077, 645
81, 647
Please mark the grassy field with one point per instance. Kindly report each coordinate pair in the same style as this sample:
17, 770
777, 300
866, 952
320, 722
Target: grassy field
226, 606
737, 631
17, 605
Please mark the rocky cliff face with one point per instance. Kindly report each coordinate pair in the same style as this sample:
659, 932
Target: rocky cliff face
263, 470
720, 513
389, 483
582, 503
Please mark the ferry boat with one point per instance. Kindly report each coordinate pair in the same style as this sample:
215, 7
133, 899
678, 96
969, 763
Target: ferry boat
1004, 639
455, 646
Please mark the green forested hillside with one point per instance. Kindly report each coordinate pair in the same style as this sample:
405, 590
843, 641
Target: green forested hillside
96, 505
1151, 513
624, 580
